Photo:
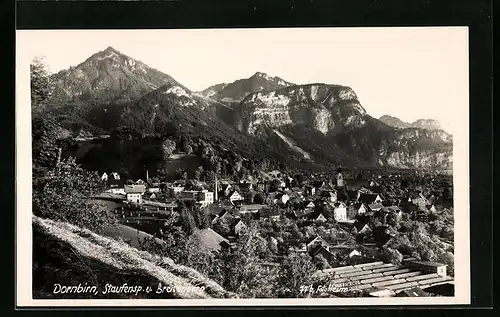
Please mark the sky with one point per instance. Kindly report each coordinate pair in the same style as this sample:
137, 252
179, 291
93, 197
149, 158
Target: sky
410, 73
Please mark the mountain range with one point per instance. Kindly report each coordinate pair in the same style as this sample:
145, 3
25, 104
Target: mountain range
255, 118
429, 124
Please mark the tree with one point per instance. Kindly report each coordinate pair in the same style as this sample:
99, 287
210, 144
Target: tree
168, 146
222, 227
320, 262
390, 255
44, 144
63, 194
200, 217
186, 219
199, 171
239, 269
250, 197
295, 271
198, 256
41, 88
259, 198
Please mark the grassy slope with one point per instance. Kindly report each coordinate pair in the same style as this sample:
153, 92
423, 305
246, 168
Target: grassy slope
64, 253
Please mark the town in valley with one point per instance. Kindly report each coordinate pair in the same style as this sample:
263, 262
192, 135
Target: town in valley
259, 188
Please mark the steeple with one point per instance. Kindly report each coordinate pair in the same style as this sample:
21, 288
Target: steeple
340, 178
216, 188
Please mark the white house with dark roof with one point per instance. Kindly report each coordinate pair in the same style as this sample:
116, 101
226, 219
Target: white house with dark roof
340, 212
235, 196
134, 193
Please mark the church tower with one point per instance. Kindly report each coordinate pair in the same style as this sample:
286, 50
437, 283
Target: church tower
216, 189
340, 178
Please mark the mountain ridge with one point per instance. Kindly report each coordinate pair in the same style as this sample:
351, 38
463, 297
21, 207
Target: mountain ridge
428, 124
263, 116
240, 88
108, 76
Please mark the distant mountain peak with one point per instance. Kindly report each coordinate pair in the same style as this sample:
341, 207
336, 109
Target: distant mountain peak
239, 89
260, 74
109, 75
427, 124
111, 49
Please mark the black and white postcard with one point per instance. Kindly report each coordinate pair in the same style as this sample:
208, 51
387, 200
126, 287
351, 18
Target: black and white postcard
234, 167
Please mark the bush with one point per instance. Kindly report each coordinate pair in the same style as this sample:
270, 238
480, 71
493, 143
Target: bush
63, 194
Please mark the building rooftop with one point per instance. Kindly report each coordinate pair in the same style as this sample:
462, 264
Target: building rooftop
383, 278
135, 189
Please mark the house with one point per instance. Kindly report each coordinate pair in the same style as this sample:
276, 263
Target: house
134, 193
219, 206
310, 190
269, 213
278, 184
237, 226
344, 252
234, 196
245, 186
329, 195
361, 227
320, 217
375, 207
309, 205
360, 208
175, 188
140, 182
393, 210
315, 241
431, 208
302, 214
104, 177
151, 195
282, 198
251, 208
154, 190
205, 198
369, 199
224, 215
115, 186
326, 187
320, 250
340, 212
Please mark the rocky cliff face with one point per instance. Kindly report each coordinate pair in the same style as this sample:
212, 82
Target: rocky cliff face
428, 124
326, 108
212, 91
394, 122
421, 149
240, 88
318, 118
